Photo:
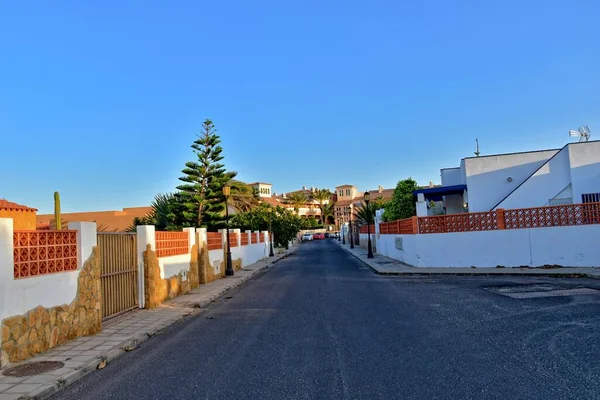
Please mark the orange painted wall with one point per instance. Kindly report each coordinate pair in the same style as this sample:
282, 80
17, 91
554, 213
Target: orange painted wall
23, 220
107, 221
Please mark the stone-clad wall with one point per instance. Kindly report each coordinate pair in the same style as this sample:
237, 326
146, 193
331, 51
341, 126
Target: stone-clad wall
42, 328
207, 271
157, 289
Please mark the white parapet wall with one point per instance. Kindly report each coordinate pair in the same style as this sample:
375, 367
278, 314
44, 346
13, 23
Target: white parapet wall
568, 246
17, 296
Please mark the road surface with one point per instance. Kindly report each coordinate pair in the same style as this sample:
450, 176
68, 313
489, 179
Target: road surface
320, 325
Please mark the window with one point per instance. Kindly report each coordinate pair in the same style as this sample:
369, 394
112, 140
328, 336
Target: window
341, 192
590, 198
347, 192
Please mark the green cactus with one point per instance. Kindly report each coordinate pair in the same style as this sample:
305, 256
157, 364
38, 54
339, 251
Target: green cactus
57, 221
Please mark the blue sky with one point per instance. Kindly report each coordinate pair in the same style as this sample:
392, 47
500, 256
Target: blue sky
101, 100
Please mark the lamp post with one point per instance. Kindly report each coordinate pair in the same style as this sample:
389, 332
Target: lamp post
271, 254
226, 193
340, 223
367, 197
342, 228
351, 232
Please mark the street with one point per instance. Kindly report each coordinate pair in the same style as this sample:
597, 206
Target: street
320, 325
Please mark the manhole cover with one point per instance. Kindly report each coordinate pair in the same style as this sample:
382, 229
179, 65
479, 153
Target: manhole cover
34, 368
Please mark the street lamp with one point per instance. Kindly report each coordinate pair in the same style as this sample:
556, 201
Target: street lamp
342, 228
340, 223
227, 193
367, 197
351, 232
271, 254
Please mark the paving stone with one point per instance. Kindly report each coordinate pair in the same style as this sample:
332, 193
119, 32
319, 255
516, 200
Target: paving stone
11, 379
105, 348
5, 386
23, 388
70, 353
45, 378
84, 359
9, 396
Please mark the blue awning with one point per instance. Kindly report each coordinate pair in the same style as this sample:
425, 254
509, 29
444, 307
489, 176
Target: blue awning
436, 193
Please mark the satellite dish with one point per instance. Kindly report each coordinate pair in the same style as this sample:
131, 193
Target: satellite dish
583, 132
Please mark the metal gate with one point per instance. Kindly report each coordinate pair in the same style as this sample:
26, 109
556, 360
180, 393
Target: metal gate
118, 273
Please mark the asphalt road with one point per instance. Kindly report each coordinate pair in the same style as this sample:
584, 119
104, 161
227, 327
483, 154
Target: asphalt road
322, 326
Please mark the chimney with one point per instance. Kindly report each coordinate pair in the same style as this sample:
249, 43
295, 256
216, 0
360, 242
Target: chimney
380, 189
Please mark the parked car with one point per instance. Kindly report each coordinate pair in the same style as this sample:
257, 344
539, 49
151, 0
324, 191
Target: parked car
327, 235
317, 236
307, 237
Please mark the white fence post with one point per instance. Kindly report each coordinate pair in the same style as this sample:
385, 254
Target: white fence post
237, 233
86, 239
146, 235
201, 237
7, 266
191, 237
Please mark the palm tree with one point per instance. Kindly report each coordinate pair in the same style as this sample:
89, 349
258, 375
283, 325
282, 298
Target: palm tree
321, 195
327, 212
360, 215
243, 196
160, 215
297, 200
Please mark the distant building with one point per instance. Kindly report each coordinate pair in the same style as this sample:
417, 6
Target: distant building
518, 180
346, 199
23, 216
349, 199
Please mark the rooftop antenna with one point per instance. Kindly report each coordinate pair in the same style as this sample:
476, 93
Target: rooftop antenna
477, 152
583, 133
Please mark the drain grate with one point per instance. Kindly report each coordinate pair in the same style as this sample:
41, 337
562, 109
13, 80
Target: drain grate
34, 368
535, 291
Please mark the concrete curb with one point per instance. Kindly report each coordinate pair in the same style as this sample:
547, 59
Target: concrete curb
514, 272
50, 389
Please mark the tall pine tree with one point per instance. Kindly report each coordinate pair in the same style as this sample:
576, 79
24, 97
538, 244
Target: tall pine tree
201, 195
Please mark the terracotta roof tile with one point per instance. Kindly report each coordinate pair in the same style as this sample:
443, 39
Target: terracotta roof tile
9, 205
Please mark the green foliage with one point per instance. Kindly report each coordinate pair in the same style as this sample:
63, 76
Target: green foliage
285, 224
362, 217
402, 205
309, 223
243, 196
327, 213
57, 220
297, 200
322, 195
201, 195
163, 215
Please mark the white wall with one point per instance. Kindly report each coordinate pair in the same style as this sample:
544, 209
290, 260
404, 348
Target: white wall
552, 178
569, 246
585, 168
17, 296
249, 254
487, 176
454, 204
452, 176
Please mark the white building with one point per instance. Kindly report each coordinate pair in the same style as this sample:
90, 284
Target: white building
518, 180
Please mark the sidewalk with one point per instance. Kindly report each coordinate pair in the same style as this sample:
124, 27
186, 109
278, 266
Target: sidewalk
121, 334
388, 266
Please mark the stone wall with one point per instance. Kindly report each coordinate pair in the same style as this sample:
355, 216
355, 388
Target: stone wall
42, 328
207, 271
157, 289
